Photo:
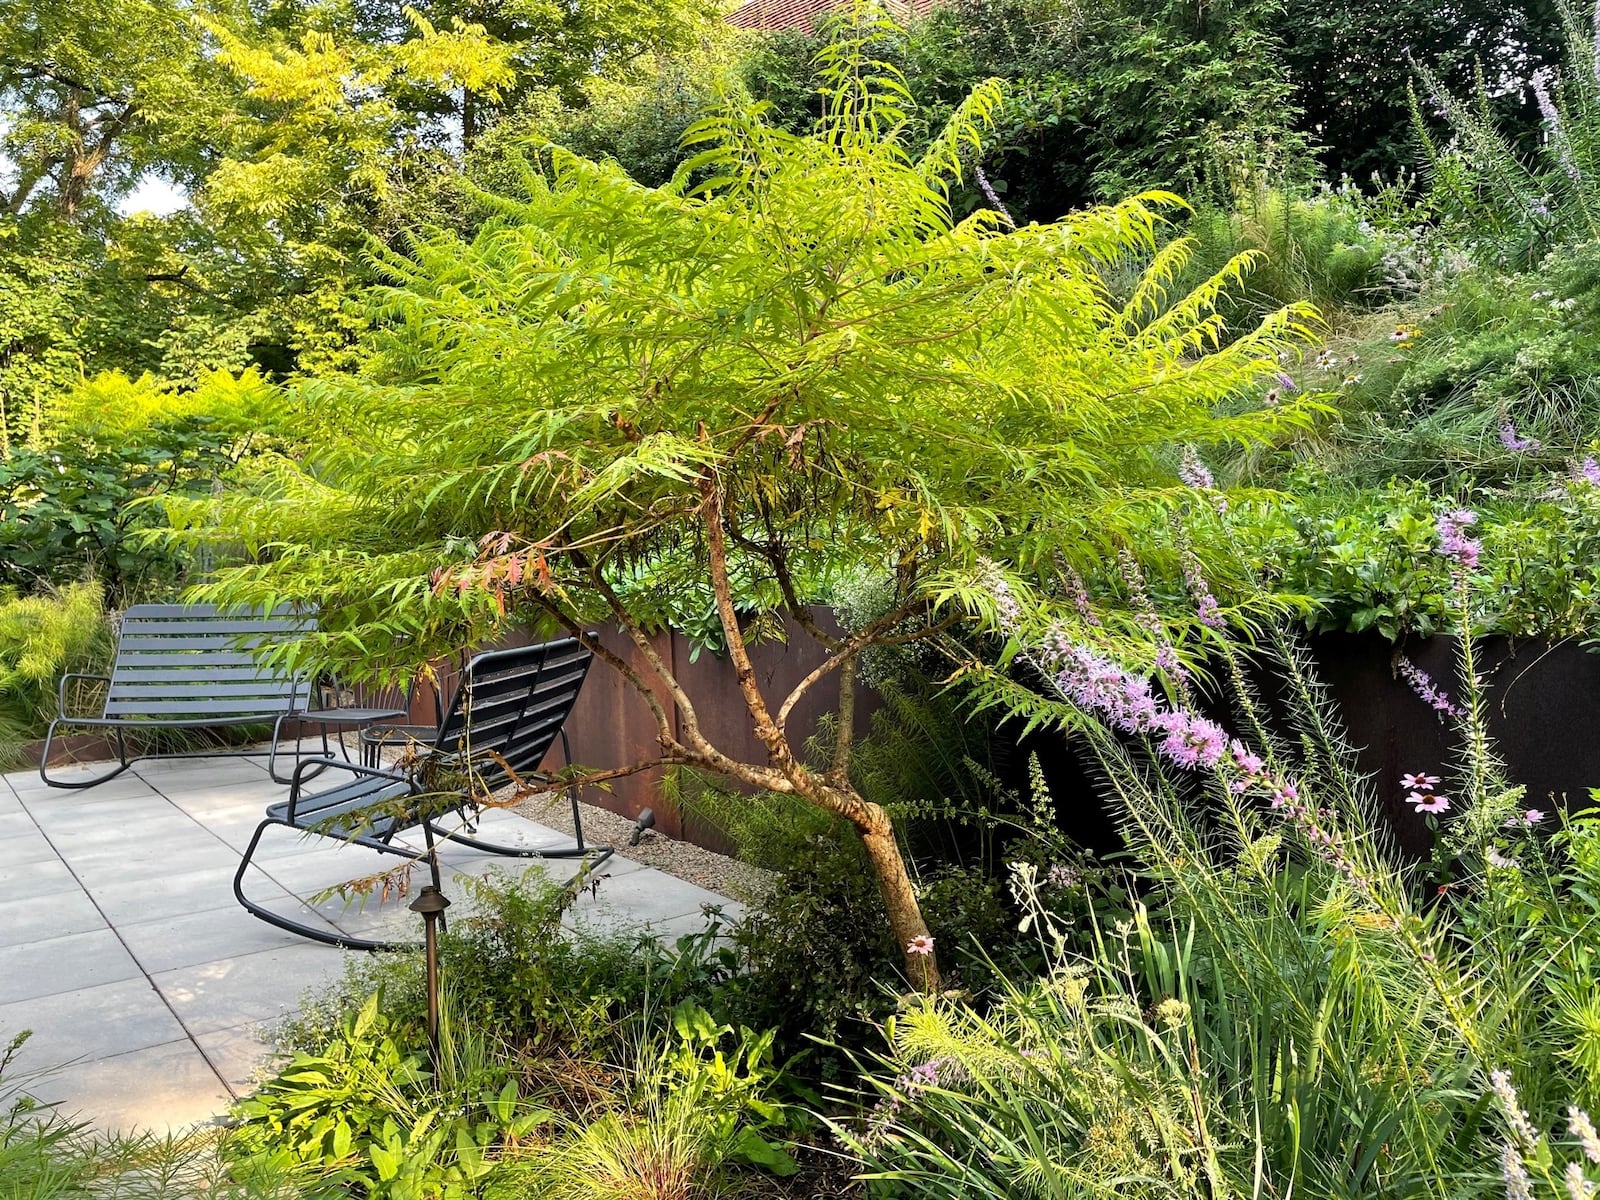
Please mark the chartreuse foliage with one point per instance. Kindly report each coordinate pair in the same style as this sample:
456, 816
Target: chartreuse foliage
859, 376
42, 637
78, 501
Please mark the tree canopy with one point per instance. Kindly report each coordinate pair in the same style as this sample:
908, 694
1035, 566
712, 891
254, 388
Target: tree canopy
294, 132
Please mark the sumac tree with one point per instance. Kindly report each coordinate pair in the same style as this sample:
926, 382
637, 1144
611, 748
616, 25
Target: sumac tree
803, 362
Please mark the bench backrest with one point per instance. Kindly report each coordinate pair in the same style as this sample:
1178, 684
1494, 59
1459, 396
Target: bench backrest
181, 661
512, 703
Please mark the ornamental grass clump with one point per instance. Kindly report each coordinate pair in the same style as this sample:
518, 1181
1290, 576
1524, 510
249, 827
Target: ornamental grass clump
1292, 1007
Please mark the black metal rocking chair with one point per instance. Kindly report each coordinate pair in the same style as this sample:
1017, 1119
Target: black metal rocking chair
508, 710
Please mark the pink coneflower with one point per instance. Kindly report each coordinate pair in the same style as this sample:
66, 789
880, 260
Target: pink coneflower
922, 944
1501, 861
1427, 802
1418, 782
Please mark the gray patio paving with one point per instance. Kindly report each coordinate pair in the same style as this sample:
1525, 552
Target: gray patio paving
150, 993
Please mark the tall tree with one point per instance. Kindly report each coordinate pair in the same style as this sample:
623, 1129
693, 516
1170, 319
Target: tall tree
1103, 99
92, 97
615, 391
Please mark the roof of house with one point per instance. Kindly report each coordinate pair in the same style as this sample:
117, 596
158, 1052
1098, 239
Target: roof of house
799, 14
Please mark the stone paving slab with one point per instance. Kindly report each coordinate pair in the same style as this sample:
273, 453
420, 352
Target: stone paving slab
99, 1022
65, 964
50, 915
159, 1088
150, 992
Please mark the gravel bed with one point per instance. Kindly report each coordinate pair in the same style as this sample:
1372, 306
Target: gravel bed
715, 872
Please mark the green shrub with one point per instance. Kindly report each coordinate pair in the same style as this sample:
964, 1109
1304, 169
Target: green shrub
815, 955
1366, 559
367, 1115
694, 1103
75, 508
1335, 248
517, 974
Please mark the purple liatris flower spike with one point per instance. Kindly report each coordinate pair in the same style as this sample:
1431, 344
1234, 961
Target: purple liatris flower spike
1139, 595
1206, 607
991, 196
1125, 701
1167, 661
1454, 544
1518, 445
1007, 610
1594, 25
1080, 597
1540, 82
1518, 1185
1511, 1107
1579, 1125
1422, 684
1193, 472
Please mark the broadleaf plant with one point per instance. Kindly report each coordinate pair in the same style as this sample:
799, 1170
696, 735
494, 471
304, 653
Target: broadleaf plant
802, 368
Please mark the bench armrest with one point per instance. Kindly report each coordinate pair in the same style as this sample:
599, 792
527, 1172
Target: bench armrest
322, 764
61, 691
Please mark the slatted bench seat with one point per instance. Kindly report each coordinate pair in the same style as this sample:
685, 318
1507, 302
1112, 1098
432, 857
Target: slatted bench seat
194, 667
506, 714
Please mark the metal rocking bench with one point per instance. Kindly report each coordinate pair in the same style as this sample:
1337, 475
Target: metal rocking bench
508, 710
191, 666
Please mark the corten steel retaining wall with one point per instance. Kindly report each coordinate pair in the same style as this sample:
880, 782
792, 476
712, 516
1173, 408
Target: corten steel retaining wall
1542, 714
612, 726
